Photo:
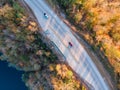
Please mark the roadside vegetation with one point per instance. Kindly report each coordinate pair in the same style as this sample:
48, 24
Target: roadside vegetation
53, 77
98, 21
23, 48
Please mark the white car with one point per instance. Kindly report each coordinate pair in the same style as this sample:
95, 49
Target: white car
46, 16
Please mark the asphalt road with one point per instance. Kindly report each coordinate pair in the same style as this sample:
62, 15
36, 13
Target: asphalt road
61, 35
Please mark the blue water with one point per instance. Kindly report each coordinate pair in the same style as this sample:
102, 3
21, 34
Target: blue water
10, 78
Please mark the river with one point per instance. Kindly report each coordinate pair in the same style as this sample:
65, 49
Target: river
10, 78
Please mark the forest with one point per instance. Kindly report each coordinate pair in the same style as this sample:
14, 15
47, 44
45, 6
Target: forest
23, 48
98, 21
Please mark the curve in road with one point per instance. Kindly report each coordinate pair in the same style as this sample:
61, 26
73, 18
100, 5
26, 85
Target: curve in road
60, 34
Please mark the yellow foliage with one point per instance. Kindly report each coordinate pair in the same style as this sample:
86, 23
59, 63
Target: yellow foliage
78, 17
47, 53
112, 52
39, 52
51, 67
63, 71
33, 23
23, 19
5, 9
30, 38
32, 28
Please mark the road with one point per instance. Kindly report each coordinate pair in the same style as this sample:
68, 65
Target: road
61, 35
